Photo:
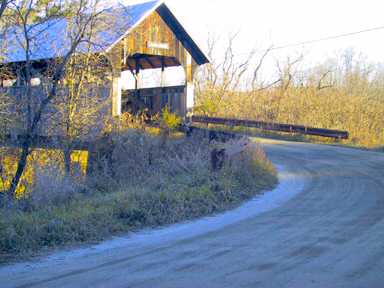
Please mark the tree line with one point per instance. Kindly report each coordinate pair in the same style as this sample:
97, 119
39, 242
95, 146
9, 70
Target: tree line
345, 92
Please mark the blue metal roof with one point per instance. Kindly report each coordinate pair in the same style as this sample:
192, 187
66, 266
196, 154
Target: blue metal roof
52, 40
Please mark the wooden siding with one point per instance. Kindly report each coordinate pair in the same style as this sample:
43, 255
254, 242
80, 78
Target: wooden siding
153, 30
155, 99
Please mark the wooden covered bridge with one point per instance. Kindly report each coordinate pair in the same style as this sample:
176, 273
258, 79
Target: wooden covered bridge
146, 36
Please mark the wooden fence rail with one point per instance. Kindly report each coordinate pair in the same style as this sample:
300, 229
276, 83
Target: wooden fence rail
43, 142
288, 128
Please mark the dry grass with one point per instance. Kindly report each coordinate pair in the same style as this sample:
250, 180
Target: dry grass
345, 92
360, 112
150, 183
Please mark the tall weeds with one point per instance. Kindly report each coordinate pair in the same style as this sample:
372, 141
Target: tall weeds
141, 182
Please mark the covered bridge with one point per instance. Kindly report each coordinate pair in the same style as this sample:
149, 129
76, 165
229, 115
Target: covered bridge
146, 36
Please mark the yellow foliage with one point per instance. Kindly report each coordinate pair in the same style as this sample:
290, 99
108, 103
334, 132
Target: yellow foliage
8, 162
38, 159
80, 158
361, 112
171, 120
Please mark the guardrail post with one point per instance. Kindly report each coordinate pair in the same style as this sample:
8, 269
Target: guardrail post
217, 159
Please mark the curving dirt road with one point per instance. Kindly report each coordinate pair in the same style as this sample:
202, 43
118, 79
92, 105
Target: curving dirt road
331, 234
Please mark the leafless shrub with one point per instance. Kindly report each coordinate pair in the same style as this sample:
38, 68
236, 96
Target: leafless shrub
139, 158
49, 189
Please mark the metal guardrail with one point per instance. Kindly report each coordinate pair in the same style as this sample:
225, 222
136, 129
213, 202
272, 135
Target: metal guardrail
269, 126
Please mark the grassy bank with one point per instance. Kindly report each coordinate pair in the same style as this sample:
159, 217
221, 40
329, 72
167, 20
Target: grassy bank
154, 183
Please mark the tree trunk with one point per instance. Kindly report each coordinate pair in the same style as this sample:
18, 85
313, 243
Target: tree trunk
67, 162
21, 165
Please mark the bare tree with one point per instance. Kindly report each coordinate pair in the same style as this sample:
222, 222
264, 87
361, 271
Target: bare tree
29, 15
287, 72
223, 77
85, 101
3, 6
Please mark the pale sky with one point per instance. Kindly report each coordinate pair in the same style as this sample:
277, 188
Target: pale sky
280, 22
263, 23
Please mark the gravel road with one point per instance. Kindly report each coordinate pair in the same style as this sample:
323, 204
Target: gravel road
328, 232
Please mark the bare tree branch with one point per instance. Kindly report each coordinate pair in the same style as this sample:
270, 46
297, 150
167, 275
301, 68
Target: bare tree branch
259, 65
266, 87
3, 6
320, 85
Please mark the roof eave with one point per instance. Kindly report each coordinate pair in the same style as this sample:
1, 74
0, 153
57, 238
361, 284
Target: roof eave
167, 15
197, 54
145, 16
